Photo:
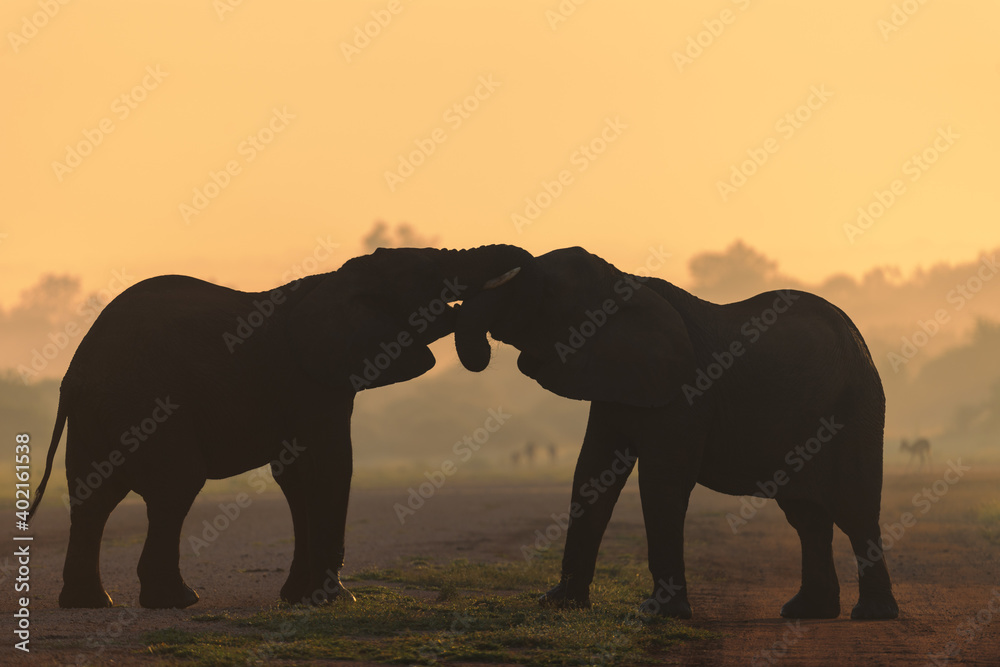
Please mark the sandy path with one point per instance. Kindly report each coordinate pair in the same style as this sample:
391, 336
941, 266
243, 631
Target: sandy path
943, 572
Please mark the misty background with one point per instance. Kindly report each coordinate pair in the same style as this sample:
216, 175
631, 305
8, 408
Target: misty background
934, 335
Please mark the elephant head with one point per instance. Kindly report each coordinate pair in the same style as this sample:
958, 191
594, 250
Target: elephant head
585, 330
369, 323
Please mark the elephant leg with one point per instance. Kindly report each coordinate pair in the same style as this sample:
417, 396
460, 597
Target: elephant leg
326, 478
819, 595
664, 489
296, 586
671, 442
857, 514
161, 585
601, 472
82, 585
875, 599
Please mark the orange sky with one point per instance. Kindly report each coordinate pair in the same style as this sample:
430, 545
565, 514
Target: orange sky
331, 121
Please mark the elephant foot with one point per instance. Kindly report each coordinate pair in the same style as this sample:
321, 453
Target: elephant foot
669, 599
73, 597
296, 587
870, 608
176, 597
675, 607
328, 592
341, 594
816, 605
566, 595
294, 592
328, 595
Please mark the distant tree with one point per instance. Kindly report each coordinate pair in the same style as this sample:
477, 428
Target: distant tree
404, 236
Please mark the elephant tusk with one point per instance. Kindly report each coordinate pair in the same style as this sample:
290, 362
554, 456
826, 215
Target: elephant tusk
500, 280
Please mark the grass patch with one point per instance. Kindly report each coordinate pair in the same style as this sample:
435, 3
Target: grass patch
212, 618
989, 517
398, 620
420, 573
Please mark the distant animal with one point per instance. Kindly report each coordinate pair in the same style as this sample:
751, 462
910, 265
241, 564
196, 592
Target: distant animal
527, 454
775, 395
529, 451
919, 449
179, 381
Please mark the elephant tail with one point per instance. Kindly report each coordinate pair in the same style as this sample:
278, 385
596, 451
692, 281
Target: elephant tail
56, 437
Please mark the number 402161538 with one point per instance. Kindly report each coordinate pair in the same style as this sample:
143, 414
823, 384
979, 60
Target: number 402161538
22, 472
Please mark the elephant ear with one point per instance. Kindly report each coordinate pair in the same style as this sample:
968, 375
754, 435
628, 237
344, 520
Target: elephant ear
636, 352
344, 334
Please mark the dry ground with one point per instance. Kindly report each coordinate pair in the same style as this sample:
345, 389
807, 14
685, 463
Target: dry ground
945, 570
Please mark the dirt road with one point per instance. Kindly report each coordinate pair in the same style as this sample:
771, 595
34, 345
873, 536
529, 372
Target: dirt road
946, 571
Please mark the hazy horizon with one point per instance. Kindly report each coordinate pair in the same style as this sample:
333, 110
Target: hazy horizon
847, 149
946, 388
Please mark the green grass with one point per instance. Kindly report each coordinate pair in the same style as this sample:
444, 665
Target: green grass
459, 574
425, 613
989, 518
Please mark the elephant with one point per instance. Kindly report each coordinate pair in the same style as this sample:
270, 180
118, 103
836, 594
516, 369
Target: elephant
180, 380
774, 396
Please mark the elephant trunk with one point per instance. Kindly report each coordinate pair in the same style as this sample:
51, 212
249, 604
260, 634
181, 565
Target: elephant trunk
475, 317
474, 267
479, 269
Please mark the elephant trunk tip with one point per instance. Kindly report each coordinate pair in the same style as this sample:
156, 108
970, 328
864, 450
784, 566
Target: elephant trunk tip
476, 361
